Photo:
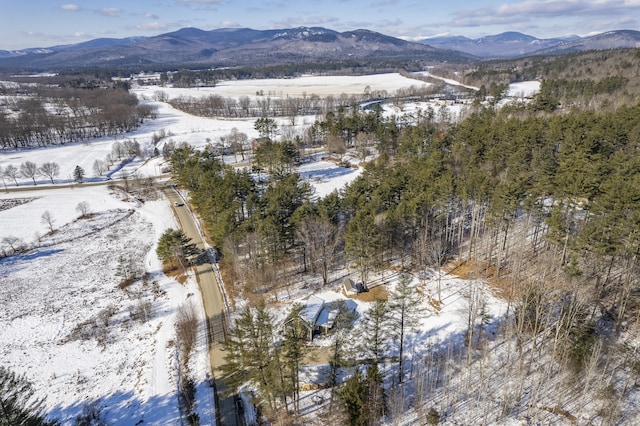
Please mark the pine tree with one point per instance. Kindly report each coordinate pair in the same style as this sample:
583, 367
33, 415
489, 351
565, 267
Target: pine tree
403, 310
352, 395
266, 127
362, 241
175, 247
292, 353
375, 399
17, 404
281, 200
363, 397
251, 353
373, 328
343, 322
78, 174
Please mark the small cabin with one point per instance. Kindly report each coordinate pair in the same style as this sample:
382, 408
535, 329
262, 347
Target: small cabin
316, 317
309, 316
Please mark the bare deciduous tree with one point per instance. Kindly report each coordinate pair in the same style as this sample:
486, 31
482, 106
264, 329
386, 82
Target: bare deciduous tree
321, 241
2, 176
237, 141
118, 150
14, 243
28, 169
99, 167
11, 172
186, 329
335, 145
47, 218
160, 96
50, 170
403, 309
83, 208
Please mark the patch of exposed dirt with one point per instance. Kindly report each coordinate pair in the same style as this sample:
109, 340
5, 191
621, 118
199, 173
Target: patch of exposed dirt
467, 269
175, 273
316, 355
376, 293
472, 270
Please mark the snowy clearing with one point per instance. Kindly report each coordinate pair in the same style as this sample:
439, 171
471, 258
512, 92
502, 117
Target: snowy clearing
523, 89
296, 87
70, 327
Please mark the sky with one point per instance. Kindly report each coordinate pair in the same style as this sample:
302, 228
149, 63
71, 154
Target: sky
44, 23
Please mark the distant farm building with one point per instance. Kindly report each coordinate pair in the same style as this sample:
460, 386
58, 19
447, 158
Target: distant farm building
257, 142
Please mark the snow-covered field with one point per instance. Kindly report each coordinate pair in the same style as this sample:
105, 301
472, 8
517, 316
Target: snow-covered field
523, 89
178, 126
446, 80
69, 328
297, 87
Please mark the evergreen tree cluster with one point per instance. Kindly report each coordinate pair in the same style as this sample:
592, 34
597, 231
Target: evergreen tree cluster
235, 205
592, 80
430, 192
175, 247
17, 403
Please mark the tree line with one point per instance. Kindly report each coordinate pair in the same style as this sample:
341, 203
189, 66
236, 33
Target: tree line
38, 116
274, 104
50, 169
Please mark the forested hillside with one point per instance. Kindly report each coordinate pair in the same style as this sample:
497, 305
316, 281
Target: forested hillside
595, 80
544, 206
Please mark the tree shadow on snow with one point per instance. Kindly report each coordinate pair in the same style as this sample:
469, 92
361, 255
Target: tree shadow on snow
121, 408
128, 409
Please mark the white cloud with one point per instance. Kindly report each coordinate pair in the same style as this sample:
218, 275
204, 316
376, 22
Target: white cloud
553, 8
628, 20
229, 24
110, 11
154, 26
199, 4
70, 7
486, 20
304, 22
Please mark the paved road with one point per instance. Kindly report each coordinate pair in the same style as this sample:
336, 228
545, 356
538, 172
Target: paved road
214, 308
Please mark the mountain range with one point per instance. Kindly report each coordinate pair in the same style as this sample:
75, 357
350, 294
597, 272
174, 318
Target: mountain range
244, 46
514, 44
226, 47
